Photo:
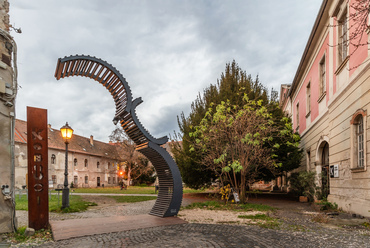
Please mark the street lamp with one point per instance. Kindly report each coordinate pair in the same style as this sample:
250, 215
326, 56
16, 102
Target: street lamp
66, 132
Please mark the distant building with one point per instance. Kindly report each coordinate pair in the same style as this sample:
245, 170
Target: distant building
329, 102
91, 163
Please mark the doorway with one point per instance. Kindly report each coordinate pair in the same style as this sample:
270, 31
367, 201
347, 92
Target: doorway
98, 181
325, 175
75, 181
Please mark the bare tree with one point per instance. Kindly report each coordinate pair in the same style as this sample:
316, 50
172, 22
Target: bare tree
135, 164
353, 28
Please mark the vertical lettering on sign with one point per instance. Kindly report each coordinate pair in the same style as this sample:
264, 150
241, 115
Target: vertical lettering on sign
37, 148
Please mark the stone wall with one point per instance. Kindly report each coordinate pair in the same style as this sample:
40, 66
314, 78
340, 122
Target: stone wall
7, 95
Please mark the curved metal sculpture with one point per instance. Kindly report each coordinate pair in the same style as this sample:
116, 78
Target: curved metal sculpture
170, 184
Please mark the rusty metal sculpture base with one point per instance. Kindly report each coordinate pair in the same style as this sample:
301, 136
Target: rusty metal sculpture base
170, 184
37, 149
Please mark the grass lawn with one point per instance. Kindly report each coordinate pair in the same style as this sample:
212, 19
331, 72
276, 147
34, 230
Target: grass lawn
133, 198
131, 190
117, 190
75, 202
218, 205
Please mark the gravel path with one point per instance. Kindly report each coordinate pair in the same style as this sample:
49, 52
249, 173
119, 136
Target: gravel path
106, 207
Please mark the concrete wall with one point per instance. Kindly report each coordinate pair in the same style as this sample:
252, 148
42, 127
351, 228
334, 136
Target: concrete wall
7, 94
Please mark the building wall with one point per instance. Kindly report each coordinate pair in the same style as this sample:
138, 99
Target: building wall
58, 167
7, 95
331, 119
351, 190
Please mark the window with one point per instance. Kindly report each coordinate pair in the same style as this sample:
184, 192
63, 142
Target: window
86, 179
86, 163
75, 181
322, 77
97, 164
108, 165
75, 162
360, 142
54, 178
308, 98
297, 117
358, 148
53, 158
108, 180
114, 180
342, 38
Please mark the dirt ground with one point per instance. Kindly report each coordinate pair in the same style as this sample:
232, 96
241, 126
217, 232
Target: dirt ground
288, 210
102, 201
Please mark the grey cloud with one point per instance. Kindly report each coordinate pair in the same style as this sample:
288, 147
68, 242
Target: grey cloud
167, 50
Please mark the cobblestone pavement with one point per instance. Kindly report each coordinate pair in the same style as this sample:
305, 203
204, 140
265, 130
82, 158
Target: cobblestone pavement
296, 230
216, 235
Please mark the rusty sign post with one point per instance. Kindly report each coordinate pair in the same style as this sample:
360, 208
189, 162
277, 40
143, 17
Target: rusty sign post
37, 149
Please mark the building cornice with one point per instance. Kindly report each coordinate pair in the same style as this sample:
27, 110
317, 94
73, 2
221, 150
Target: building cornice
309, 44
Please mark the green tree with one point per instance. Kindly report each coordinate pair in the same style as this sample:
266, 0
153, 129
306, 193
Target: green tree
288, 155
233, 142
232, 86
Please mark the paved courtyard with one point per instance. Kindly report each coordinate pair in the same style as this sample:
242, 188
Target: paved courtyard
296, 230
216, 235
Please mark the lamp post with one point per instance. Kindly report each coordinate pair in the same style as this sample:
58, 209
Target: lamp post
66, 132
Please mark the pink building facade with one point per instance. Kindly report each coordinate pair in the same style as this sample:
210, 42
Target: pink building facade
329, 102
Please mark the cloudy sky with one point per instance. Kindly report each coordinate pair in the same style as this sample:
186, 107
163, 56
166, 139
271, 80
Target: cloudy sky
168, 51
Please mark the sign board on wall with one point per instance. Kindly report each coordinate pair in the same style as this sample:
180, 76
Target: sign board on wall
334, 171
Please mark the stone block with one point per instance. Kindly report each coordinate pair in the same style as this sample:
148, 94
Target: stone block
29, 232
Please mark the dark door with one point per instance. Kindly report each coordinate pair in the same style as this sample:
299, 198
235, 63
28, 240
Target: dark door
98, 181
325, 175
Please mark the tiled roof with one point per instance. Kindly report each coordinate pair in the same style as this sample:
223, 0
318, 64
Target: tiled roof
78, 143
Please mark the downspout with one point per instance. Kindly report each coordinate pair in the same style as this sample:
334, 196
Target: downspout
12, 130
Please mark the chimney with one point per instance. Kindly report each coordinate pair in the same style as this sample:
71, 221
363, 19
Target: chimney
91, 140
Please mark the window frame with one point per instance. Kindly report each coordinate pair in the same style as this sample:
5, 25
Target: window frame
358, 141
53, 159
86, 163
322, 78
75, 162
54, 179
308, 99
342, 37
297, 116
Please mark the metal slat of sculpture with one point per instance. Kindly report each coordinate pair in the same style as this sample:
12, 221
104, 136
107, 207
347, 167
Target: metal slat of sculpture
170, 184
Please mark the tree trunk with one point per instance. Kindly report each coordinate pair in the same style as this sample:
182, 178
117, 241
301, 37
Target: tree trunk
128, 177
242, 188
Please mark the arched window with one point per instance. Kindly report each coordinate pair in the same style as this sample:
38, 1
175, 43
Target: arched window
97, 164
86, 163
53, 158
358, 148
360, 141
75, 162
